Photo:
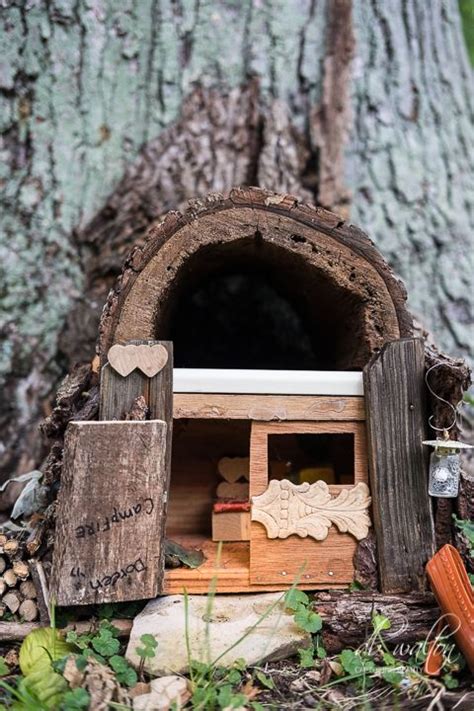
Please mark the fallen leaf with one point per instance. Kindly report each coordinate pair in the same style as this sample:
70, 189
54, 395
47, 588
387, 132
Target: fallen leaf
190, 557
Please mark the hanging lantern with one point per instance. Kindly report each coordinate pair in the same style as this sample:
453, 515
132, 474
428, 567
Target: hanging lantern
445, 466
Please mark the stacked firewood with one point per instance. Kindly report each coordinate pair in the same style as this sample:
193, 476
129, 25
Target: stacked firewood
17, 589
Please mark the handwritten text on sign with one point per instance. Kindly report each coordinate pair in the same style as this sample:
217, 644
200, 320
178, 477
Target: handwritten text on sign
110, 511
102, 525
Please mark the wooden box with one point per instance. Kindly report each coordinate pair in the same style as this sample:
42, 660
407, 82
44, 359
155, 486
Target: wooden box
269, 429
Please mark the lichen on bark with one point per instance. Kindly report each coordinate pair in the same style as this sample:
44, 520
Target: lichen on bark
160, 101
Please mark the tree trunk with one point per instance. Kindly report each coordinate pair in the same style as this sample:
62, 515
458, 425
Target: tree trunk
113, 113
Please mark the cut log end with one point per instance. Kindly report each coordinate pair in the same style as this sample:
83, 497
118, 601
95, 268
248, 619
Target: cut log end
28, 610
21, 569
10, 578
28, 590
12, 601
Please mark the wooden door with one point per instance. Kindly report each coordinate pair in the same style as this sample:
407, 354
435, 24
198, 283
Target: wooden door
277, 561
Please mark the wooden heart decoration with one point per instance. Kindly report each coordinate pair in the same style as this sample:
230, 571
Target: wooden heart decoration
150, 359
122, 359
233, 468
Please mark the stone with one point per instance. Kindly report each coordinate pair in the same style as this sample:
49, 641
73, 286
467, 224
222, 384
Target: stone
166, 692
235, 630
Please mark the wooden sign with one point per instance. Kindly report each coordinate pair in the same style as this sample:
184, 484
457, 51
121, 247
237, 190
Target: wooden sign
111, 513
396, 423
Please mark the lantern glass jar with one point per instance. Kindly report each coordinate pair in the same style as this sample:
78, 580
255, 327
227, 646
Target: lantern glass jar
445, 471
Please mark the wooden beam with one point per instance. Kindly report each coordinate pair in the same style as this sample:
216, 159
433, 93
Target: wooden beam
267, 407
396, 422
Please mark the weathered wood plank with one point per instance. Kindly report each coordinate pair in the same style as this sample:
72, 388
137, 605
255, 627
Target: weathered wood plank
118, 394
394, 396
267, 407
111, 511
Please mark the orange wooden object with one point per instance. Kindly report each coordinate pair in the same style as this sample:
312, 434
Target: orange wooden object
453, 591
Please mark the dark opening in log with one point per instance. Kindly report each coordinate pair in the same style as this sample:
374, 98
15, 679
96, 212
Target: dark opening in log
254, 305
256, 280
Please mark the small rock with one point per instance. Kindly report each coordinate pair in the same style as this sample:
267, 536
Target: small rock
140, 689
165, 692
233, 616
144, 702
173, 688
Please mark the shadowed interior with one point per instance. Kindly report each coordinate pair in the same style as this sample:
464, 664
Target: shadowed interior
251, 304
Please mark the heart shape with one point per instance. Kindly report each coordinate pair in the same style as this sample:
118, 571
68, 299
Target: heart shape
233, 468
150, 359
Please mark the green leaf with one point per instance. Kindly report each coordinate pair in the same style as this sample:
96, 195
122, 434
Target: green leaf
199, 668
42, 647
264, 679
450, 682
228, 699
118, 663
294, 598
124, 672
388, 659
308, 620
380, 623
466, 527
128, 677
306, 658
81, 662
320, 652
352, 663
240, 664
190, 557
149, 641
75, 700
149, 646
106, 611
4, 668
145, 652
46, 685
204, 697
234, 677
108, 628
105, 644
392, 676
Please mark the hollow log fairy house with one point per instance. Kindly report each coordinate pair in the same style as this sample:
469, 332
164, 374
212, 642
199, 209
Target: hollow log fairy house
259, 395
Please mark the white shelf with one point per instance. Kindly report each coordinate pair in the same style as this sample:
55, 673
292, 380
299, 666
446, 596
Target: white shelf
267, 382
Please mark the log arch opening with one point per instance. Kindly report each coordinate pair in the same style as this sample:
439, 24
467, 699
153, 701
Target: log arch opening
252, 304
256, 280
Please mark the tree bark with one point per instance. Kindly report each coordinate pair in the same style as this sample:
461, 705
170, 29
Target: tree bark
114, 113
347, 617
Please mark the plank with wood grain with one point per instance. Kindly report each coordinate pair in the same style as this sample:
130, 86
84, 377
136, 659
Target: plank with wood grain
111, 511
396, 423
267, 407
118, 394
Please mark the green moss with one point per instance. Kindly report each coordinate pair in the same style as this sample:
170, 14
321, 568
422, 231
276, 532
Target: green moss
466, 8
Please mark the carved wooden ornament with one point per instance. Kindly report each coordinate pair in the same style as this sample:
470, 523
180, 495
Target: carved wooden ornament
150, 359
309, 510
